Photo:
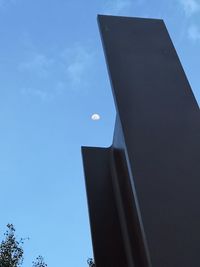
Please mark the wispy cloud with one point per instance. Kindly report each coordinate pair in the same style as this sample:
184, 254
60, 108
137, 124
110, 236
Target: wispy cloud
190, 7
38, 93
77, 61
4, 3
35, 71
49, 75
194, 33
116, 7
38, 64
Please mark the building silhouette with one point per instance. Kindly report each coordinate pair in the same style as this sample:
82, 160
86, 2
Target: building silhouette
144, 191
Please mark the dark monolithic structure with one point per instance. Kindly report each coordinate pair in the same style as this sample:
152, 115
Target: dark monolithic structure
144, 191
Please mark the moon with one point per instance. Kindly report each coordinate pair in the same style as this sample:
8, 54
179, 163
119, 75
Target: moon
95, 117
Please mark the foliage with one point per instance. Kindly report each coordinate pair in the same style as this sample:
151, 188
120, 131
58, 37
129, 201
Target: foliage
12, 252
91, 262
39, 262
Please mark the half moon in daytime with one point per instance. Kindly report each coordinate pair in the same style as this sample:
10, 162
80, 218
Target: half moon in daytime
95, 117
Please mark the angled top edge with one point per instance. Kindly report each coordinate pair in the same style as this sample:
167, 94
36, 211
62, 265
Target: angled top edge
101, 17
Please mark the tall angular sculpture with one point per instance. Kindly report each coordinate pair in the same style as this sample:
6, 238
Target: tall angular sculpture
144, 191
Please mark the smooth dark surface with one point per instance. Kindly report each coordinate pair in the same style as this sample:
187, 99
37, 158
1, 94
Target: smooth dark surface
144, 191
134, 238
160, 123
106, 231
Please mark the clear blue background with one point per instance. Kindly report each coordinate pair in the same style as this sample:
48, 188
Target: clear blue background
52, 79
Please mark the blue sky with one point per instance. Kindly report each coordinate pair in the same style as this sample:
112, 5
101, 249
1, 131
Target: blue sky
52, 79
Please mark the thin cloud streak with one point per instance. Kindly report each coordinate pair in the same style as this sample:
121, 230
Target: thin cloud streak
53, 75
39, 64
5, 3
115, 7
43, 95
77, 61
190, 7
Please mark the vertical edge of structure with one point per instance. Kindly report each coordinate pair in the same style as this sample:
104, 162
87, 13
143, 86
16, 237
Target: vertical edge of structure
129, 214
132, 216
108, 245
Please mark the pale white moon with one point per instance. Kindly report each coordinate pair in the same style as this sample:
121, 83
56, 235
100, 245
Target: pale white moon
95, 117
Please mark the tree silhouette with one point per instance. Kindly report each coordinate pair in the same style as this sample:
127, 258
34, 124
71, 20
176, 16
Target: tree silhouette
91, 262
39, 262
12, 252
